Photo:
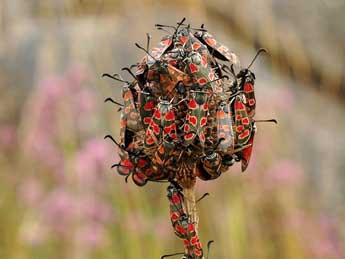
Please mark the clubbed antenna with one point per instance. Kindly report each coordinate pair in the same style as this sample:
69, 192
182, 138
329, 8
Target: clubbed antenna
178, 26
209, 243
140, 47
256, 55
116, 77
111, 100
166, 26
169, 255
192, 28
162, 29
202, 197
113, 140
114, 102
270, 120
129, 71
149, 37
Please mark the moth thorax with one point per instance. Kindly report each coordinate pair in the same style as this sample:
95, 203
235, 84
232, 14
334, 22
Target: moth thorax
200, 97
195, 58
164, 107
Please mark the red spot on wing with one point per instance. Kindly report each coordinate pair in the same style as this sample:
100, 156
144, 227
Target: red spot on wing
220, 114
193, 120
170, 116
150, 141
218, 89
202, 137
196, 45
203, 121
127, 95
174, 216
244, 134
191, 227
157, 114
211, 76
245, 121
186, 128
192, 104
193, 68
246, 154
211, 41
147, 120
202, 81
166, 42
248, 88
222, 49
183, 39
197, 252
239, 128
156, 129
251, 102
175, 199
142, 163
204, 61
189, 136
149, 106
180, 229
194, 240
239, 105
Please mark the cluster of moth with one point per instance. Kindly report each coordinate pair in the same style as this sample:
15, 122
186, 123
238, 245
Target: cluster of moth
186, 115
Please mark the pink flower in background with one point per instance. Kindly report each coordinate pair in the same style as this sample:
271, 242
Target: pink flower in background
31, 192
60, 210
90, 163
162, 228
8, 137
328, 245
278, 99
92, 236
284, 173
76, 75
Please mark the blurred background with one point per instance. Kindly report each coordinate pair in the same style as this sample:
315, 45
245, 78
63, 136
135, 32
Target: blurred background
60, 199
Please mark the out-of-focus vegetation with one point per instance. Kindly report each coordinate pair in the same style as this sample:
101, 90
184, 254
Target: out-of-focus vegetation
58, 197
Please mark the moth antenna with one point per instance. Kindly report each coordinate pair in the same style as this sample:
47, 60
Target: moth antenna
140, 47
270, 120
232, 70
256, 55
129, 71
114, 102
166, 26
178, 26
113, 140
119, 109
169, 255
209, 243
126, 178
162, 29
149, 37
115, 78
134, 65
115, 165
202, 197
192, 28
